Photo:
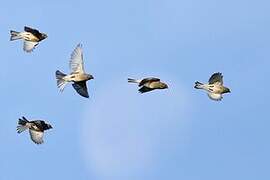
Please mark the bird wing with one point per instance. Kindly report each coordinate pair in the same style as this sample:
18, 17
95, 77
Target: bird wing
81, 88
148, 80
145, 89
39, 125
36, 136
28, 46
35, 32
215, 97
216, 78
76, 60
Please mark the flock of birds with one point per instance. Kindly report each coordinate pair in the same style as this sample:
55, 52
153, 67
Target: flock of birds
78, 77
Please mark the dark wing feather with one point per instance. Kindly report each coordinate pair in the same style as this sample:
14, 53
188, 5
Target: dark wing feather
81, 88
145, 89
216, 77
146, 80
41, 125
35, 32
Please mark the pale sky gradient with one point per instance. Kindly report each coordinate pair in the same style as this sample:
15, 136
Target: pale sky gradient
119, 134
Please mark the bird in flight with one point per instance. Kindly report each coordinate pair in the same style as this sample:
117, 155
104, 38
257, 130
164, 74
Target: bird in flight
214, 87
78, 75
31, 37
36, 129
148, 84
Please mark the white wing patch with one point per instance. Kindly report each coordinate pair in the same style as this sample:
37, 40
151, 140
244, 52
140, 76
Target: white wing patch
28, 46
76, 60
214, 96
36, 136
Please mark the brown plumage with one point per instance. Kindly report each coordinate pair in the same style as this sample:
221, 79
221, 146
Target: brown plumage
149, 84
77, 76
36, 129
31, 38
214, 87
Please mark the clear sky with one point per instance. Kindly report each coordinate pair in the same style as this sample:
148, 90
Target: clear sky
119, 134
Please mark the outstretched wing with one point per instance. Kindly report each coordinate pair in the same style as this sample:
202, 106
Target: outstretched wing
148, 80
216, 78
76, 60
215, 97
35, 32
28, 46
81, 88
36, 136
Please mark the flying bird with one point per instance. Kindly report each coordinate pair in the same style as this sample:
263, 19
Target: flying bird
36, 129
77, 75
148, 84
31, 37
214, 88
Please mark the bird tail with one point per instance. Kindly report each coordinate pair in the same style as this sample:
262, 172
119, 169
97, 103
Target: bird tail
61, 82
130, 80
198, 85
22, 125
14, 35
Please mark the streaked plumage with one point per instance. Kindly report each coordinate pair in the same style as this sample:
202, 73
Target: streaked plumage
36, 129
77, 75
31, 37
149, 84
214, 88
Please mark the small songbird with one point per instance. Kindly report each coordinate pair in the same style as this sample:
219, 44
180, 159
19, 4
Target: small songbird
30, 36
214, 87
36, 129
149, 84
77, 76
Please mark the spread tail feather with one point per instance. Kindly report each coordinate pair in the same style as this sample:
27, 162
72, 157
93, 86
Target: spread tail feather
130, 80
198, 85
22, 125
61, 82
14, 35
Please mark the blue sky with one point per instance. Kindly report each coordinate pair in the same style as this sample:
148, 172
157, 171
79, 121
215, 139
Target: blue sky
119, 134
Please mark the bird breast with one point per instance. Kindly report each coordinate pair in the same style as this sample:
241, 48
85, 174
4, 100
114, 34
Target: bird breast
214, 88
80, 77
154, 85
213, 96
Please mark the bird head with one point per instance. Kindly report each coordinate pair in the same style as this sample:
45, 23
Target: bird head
49, 126
89, 77
226, 90
43, 36
163, 86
